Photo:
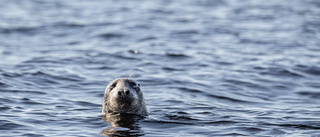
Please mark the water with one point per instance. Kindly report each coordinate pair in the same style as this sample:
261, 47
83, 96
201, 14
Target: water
206, 67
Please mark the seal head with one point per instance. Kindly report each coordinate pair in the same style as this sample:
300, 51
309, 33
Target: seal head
123, 96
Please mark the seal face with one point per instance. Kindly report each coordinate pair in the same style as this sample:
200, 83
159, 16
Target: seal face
123, 96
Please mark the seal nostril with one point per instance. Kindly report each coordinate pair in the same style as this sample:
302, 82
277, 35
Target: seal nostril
127, 92
119, 93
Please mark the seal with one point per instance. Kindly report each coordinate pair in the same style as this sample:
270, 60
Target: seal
124, 96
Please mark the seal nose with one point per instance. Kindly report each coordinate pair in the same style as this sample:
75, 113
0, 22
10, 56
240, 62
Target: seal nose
123, 92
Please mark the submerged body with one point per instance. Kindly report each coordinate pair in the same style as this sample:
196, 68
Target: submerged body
123, 96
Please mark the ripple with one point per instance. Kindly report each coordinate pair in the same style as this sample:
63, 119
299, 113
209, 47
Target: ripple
9, 125
111, 35
298, 126
252, 129
7, 100
33, 135
246, 84
229, 99
313, 70
179, 117
281, 72
30, 102
167, 123
311, 94
149, 38
3, 84
188, 32
221, 123
172, 69
177, 55
24, 91
4, 108
23, 30
191, 90
87, 104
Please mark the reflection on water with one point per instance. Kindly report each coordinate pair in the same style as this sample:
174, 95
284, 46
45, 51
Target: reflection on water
122, 125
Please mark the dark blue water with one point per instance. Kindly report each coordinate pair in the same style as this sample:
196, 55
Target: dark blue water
206, 67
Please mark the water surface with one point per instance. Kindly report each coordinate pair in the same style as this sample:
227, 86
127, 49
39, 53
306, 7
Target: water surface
206, 67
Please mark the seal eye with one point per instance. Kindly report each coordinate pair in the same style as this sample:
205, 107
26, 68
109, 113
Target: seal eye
135, 86
113, 86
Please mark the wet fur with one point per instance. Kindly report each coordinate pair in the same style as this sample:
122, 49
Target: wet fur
133, 105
